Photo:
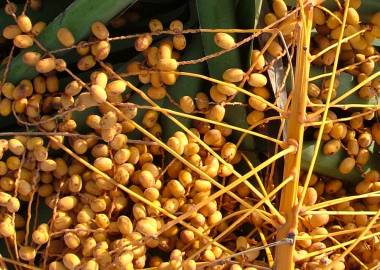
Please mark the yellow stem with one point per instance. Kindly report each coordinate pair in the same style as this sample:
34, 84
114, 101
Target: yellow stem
259, 181
349, 92
334, 45
295, 131
263, 121
347, 106
335, 247
330, 13
349, 232
356, 241
326, 110
200, 76
279, 134
18, 175
340, 213
304, 18
349, 67
351, 254
267, 249
237, 182
343, 119
338, 4
341, 200
260, 212
221, 235
241, 218
190, 116
269, 104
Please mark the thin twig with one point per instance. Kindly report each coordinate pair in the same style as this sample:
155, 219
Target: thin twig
66, 134
6, 70
285, 241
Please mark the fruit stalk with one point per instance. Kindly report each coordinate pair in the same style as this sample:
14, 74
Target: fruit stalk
295, 131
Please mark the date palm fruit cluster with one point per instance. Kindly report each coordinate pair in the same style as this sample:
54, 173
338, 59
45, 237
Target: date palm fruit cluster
143, 164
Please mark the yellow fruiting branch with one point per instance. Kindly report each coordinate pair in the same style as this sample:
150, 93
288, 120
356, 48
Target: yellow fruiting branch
351, 254
132, 193
361, 237
348, 92
296, 120
342, 200
194, 117
336, 247
335, 44
206, 78
245, 215
326, 109
191, 134
267, 249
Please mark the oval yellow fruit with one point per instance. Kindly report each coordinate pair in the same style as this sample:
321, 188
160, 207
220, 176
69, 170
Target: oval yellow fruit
23, 41
99, 30
24, 23
224, 41
257, 80
65, 37
45, 65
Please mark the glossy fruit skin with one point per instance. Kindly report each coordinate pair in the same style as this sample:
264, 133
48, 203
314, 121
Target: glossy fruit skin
24, 23
99, 30
224, 41
65, 37
45, 65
